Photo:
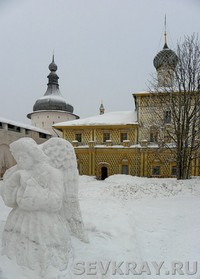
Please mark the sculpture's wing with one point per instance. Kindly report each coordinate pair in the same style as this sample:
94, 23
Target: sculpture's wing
62, 157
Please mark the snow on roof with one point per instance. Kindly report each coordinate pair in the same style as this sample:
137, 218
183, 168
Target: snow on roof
52, 96
110, 118
25, 126
159, 89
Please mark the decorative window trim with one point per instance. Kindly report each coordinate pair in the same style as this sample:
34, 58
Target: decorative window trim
154, 167
123, 166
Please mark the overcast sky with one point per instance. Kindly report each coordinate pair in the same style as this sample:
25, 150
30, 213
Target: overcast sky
103, 48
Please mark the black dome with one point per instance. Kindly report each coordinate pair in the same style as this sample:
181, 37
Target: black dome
165, 57
51, 103
52, 99
53, 67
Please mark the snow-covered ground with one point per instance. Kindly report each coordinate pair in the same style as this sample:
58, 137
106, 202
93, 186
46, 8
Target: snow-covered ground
131, 222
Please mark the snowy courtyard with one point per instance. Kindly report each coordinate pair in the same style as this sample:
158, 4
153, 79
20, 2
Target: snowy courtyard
137, 228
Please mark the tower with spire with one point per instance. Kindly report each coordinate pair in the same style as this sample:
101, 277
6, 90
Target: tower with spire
165, 63
52, 107
101, 108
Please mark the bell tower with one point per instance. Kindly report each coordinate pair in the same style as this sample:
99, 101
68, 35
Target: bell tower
165, 63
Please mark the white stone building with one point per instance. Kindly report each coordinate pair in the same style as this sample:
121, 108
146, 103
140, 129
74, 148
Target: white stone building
11, 131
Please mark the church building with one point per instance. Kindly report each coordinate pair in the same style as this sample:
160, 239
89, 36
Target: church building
127, 142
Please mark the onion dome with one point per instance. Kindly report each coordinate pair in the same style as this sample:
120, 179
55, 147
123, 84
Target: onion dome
52, 99
166, 57
53, 67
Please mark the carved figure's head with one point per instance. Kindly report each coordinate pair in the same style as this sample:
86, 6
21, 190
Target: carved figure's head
26, 153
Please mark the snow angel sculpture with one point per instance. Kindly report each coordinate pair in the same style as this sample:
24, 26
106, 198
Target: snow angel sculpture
35, 233
62, 156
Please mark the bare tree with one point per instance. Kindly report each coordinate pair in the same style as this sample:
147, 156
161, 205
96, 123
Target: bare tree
175, 95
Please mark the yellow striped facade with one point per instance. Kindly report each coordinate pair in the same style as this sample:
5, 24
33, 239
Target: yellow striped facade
136, 155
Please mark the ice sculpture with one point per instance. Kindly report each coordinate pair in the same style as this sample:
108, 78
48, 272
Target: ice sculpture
42, 189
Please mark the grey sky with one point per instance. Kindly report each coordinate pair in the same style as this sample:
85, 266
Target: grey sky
103, 48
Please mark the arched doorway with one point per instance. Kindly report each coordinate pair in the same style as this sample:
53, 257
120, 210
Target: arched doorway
103, 170
104, 173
